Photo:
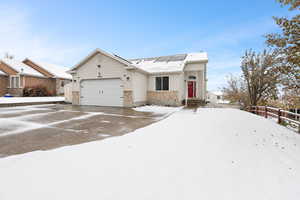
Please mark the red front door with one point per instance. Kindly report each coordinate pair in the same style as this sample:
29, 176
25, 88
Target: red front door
191, 89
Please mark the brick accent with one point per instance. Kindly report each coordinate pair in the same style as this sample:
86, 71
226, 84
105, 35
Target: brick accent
75, 98
3, 85
167, 98
128, 98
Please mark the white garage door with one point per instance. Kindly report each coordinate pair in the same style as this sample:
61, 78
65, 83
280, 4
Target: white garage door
108, 92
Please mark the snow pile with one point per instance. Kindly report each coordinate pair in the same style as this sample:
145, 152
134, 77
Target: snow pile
12, 100
211, 154
157, 109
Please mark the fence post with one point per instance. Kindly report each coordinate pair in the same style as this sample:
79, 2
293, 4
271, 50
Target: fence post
279, 116
266, 112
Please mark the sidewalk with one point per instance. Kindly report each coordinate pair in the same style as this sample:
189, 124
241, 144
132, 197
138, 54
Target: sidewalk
21, 101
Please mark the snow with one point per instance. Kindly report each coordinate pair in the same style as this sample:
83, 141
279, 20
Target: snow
152, 66
13, 100
56, 70
157, 109
2, 73
20, 67
190, 155
198, 56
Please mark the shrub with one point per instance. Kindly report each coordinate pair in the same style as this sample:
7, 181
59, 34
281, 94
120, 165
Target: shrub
38, 91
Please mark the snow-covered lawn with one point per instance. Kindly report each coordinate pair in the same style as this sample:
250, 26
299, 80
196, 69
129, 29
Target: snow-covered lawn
157, 109
215, 154
14, 100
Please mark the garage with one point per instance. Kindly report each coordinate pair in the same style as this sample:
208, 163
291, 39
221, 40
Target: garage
102, 92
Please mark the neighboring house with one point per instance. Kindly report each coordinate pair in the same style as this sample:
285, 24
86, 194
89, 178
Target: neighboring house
17, 75
3, 83
104, 79
216, 97
59, 73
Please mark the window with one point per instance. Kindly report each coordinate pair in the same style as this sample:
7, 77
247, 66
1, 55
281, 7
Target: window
14, 82
162, 83
192, 77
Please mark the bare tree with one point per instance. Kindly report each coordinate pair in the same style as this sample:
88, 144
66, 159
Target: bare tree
260, 75
235, 91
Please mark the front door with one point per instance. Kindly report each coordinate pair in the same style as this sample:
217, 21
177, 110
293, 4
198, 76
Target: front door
191, 89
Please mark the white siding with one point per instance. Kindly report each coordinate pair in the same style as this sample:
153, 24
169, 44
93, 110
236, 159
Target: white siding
140, 84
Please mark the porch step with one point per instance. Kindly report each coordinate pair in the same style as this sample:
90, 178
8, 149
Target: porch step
195, 102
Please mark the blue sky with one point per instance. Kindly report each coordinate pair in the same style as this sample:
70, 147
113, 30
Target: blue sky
64, 32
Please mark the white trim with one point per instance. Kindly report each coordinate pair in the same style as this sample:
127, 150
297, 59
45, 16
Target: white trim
12, 85
162, 83
96, 51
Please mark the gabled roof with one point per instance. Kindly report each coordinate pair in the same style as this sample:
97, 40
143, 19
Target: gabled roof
172, 63
2, 73
95, 52
56, 70
21, 68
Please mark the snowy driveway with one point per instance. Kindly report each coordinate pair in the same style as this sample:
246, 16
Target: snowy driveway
211, 154
41, 127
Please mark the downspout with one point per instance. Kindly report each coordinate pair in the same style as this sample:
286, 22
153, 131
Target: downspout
186, 94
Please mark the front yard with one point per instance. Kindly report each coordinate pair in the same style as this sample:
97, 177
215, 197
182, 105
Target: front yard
205, 154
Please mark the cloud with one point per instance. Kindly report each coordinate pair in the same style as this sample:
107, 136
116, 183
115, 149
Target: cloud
17, 37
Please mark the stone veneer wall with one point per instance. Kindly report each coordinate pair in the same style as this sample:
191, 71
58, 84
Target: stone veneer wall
75, 98
167, 98
3, 85
128, 98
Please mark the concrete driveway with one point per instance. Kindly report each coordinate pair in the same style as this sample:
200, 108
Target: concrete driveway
42, 127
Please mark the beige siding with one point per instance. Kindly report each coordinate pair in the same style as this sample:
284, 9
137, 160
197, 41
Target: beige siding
174, 82
194, 67
140, 83
110, 68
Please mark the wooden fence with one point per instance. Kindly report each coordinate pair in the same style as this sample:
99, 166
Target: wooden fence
280, 114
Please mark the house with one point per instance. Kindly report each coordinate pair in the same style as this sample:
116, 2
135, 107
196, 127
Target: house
216, 97
17, 75
3, 83
105, 79
51, 71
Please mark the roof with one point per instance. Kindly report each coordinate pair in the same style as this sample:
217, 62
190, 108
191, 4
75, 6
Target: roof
21, 67
2, 73
172, 63
96, 51
56, 70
